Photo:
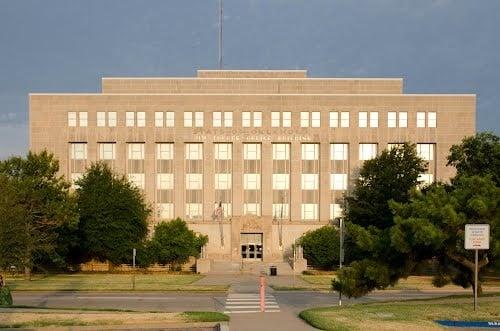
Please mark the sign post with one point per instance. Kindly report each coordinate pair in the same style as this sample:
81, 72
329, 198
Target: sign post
477, 236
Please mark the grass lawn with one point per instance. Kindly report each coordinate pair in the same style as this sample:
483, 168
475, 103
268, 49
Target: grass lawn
403, 315
111, 282
16, 318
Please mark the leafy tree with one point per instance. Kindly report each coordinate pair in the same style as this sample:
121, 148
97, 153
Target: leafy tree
113, 215
477, 155
37, 203
390, 176
173, 243
432, 226
321, 247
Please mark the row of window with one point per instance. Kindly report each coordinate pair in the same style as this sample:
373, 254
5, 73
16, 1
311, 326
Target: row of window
254, 119
251, 151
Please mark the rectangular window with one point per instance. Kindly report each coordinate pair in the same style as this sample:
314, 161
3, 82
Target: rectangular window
336, 211
75, 176
334, 119
391, 119
281, 181
194, 210
194, 151
141, 119
367, 151
71, 118
188, 119
169, 119
257, 119
403, 119
420, 120
79, 151
287, 119
198, 119
338, 151
137, 180
251, 151
130, 119
251, 181
281, 151
112, 119
315, 119
165, 210
83, 118
304, 119
363, 119
159, 119
275, 119
310, 151
136, 151
374, 119
165, 151
228, 119
194, 181
425, 179
245, 119
164, 181
107, 151
338, 181
281, 210
425, 151
223, 151
101, 119
309, 211
431, 119
217, 119
310, 181
251, 209
344, 119
222, 181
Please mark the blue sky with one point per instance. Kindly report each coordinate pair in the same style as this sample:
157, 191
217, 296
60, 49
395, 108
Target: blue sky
441, 46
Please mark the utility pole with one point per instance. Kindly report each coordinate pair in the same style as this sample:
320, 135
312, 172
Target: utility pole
220, 34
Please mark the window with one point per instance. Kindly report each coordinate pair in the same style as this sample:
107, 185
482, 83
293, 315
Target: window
304, 119
363, 119
275, 119
281, 151
334, 119
217, 119
101, 118
374, 119
420, 120
310, 181
137, 180
257, 119
281, 210
165, 151
198, 119
403, 119
164, 181
194, 210
245, 119
315, 119
188, 119
107, 151
391, 119
71, 118
83, 118
310, 151
194, 181
281, 181
228, 119
287, 119
112, 119
251, 151
129, 119
425, 151
367, 151
159, 119
338, 181
425, 179
309, 211
79, 151
344, 119
431, 119
336, 210
169, 119
223, 151
222, 181
165, 210
251, 209
338, 151
251, 181
141, 119
136, 151
194, 151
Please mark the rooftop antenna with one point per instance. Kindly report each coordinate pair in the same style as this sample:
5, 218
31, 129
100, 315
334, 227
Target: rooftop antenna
220, 34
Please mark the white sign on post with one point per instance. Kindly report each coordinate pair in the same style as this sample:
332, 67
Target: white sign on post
477, 236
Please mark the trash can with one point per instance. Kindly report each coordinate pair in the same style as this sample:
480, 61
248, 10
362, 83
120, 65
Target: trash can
273, 271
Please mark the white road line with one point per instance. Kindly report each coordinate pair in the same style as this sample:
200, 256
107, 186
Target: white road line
250, 311
126, 298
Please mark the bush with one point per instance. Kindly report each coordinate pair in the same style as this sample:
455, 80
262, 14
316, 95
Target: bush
321, 247
5, 297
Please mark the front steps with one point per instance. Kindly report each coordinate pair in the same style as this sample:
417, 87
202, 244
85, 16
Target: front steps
249, 267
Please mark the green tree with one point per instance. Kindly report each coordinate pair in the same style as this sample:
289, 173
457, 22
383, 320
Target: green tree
431, 226
389, 176
477, 155
173, 243
113, 216
321, 247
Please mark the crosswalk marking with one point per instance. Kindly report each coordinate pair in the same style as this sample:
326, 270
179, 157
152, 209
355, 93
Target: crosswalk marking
245, 303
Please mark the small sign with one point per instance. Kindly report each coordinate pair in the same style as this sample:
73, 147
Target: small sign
477, 236
134, 252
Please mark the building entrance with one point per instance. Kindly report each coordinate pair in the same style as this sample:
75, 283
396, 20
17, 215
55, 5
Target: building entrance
251, 246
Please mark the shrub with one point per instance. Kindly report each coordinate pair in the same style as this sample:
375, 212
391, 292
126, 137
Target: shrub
321, 247
5, 297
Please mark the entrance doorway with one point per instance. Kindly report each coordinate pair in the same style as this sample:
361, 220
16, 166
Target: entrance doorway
251, 246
